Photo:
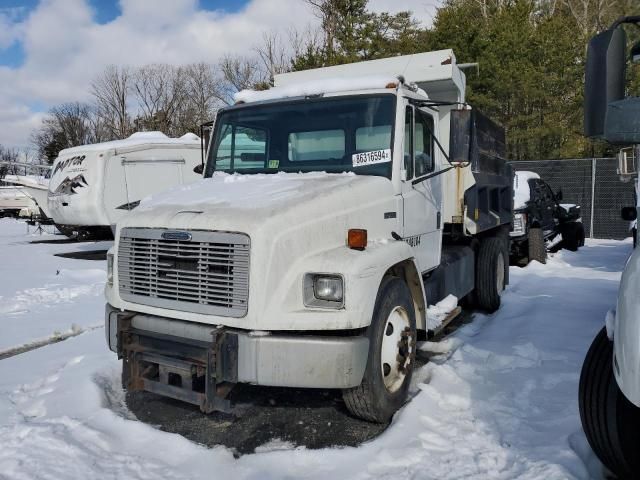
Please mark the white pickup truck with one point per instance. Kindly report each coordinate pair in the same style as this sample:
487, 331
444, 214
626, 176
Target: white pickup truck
335, 208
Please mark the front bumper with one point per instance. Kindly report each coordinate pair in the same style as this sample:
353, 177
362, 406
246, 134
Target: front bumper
261, 358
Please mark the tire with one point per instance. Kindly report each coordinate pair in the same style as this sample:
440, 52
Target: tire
491, 268
610, 422
536, 246
379, 396
572, 236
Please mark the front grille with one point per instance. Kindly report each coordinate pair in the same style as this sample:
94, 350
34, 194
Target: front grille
207, 274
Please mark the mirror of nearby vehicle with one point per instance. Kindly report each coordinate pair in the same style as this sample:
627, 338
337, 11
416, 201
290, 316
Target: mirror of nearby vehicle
635, 53
604, 78
199, 168
559, 196
629, 213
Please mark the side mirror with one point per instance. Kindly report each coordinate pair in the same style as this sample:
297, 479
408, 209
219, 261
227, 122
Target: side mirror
629, 213
604, 78
199, 168
460, 148
559, 196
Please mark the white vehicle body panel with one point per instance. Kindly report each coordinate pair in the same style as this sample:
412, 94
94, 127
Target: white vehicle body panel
12, 198
93, 185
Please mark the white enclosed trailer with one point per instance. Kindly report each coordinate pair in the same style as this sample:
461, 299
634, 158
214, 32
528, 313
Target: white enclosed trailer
336, 207
93, 186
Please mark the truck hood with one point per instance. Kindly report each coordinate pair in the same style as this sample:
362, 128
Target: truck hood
244, 203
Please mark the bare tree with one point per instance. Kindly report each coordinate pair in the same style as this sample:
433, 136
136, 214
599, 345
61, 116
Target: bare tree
67, 125
111, 91
159, 90
274, 55
203, 92
239, 73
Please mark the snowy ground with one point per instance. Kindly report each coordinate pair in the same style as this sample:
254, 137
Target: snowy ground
499, 401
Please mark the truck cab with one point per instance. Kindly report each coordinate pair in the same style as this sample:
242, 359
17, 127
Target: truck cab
335, 207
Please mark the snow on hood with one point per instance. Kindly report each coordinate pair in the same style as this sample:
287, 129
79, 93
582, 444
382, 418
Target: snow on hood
521, 191
248, 191
316, 87
138, 138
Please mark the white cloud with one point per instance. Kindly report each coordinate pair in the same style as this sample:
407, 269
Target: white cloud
65, 48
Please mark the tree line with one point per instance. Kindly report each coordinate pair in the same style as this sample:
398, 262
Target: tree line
530, 78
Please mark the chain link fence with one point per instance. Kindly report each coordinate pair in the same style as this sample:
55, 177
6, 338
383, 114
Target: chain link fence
592, 183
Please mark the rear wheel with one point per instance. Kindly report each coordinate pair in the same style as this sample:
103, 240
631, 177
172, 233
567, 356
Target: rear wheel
610, 422
491, 270
537, 248
392, 350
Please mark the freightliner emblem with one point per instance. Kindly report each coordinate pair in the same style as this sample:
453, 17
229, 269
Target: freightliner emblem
176, 235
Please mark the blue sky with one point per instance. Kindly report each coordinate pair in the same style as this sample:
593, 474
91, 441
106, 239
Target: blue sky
104, 11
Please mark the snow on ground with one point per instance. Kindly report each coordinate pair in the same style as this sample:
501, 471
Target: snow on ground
42, 295
499, 400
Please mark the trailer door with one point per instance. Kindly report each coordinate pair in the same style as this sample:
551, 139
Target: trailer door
421, 190
144, 177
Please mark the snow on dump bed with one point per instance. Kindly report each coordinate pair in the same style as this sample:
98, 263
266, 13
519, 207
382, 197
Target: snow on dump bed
497, 400
315, 87
521, 191
135, 139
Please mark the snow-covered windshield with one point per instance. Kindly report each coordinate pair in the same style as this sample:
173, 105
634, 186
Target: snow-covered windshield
333, 135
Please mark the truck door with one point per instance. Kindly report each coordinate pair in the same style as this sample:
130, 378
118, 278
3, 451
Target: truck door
421, 190
547, 206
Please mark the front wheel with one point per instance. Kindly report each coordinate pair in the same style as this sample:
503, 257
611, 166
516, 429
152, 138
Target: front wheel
610, 422
392, 351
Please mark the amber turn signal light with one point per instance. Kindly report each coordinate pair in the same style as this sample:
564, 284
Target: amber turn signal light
357, 238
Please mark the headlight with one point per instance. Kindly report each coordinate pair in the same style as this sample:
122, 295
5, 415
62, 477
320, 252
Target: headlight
110, 268
519, 224
323, 290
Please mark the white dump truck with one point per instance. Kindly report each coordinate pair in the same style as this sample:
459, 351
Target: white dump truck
336, 207
610, 380
93, 186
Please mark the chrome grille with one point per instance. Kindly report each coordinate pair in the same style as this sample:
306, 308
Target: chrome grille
207, 274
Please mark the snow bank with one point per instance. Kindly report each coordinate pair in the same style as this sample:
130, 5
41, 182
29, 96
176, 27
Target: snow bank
42, 294
316, 87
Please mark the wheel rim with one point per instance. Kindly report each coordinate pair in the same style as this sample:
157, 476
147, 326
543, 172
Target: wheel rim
395, 355
500, 274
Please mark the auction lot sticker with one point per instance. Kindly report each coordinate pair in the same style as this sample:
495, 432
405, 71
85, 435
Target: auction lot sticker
369, 158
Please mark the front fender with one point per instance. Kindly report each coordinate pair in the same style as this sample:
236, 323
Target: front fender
362, 272
626, 333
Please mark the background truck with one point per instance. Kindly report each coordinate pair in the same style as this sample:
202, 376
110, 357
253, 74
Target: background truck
93, 186
610, 380
539, 217
336, 207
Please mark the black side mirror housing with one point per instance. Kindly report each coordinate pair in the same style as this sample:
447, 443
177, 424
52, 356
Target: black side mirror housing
604, 78
199, 168
629, 213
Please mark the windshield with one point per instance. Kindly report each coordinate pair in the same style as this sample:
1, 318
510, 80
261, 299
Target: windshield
328, 134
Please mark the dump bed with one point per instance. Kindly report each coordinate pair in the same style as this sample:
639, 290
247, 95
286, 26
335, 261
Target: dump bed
478, 141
